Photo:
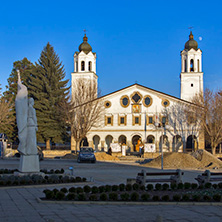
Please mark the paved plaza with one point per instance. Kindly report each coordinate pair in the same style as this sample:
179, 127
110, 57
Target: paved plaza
20, 204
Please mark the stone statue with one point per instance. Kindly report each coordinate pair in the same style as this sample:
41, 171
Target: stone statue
27, 127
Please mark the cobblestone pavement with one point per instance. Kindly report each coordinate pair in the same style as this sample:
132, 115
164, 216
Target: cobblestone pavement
20, 204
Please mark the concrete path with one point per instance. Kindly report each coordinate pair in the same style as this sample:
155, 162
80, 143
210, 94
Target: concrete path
20, 204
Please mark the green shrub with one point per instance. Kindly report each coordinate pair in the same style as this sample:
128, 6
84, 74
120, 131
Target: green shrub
95, 189
124, 196
158, 186
208, 185
220, 185
79, 190
217, 197
55, 191
185, 197
103, 197
145, 197
6, 171
122, 187
196, 198
201, 187
165, 198
65, 179
156, 198
173, 186
51, 171
136, 186
115, 187
180, 186
108, 188
49, 195
59, 195
194, 186
16, 182
128, 187
206, 197
72, 179
62, 170
78, 179
187, 186
71, 196
215, 186
57, 171
64, 190
101, 189
149, 186
46, 177
81, 197
113, 196
72, 189
176, 197
165, 186
134, 196
142, 187
45, 191
93, 197
87, 189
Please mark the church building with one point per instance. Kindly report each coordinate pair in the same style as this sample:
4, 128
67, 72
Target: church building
135, 114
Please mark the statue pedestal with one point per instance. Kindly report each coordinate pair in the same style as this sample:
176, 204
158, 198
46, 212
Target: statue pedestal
29, 163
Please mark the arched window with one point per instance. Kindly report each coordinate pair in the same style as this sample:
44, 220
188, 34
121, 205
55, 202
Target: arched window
191, 65
90, 66
82, 66
185, 65
198, 65
76, 66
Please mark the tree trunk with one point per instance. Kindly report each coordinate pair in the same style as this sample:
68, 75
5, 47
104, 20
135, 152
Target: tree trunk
48, 147
213, 150
77, 145
73, 144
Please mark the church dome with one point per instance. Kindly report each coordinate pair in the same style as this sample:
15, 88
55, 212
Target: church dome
85, 46
191, 43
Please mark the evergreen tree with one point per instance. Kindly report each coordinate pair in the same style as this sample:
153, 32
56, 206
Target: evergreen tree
25, 67
49, 89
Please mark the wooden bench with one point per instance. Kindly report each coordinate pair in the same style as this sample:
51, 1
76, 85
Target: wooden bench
144, 177
208, 177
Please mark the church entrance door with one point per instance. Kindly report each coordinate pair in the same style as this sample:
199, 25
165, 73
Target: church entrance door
136, 141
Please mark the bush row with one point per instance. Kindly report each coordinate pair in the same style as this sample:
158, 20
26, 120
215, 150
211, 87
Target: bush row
52, 171
63, 194
38, 179
137, 187
61, 171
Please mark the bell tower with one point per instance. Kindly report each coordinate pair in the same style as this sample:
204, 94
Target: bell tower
191, 76
84, 64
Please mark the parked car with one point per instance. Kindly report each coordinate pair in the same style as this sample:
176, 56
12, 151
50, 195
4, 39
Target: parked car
41, 155
86, 154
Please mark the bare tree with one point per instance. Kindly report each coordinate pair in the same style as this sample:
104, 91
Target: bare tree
84, 110
6, 115
210, 115
182, 122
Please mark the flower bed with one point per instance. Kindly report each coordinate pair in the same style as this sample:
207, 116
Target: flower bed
122, 192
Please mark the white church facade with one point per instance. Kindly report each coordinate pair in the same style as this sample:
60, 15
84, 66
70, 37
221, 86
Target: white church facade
135, 114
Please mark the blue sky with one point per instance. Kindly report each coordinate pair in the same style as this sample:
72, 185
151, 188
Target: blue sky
135, 41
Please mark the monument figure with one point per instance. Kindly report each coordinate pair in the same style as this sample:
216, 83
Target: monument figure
27, 127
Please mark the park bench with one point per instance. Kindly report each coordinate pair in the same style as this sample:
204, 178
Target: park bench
208, 177
157, 177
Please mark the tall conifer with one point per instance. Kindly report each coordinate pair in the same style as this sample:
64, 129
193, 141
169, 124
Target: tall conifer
49, 90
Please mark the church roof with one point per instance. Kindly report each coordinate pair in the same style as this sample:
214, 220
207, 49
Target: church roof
191, 43
144, 87
85, 46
